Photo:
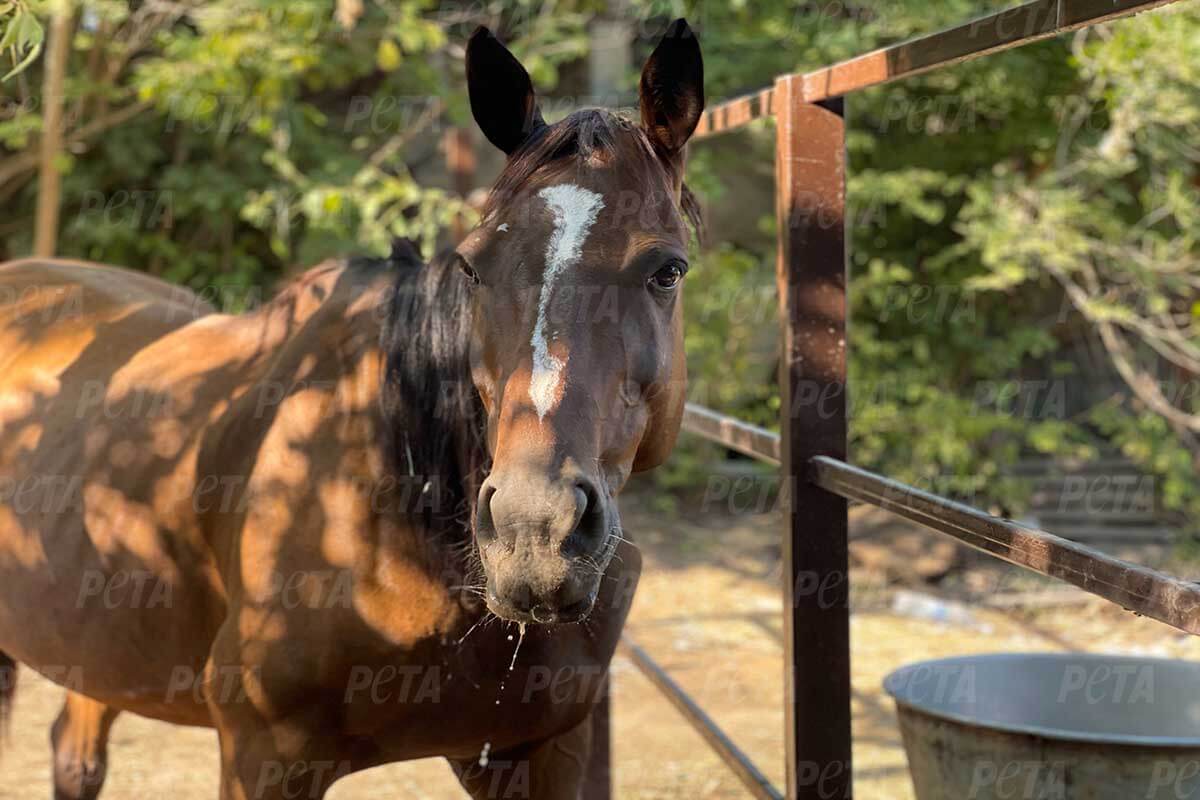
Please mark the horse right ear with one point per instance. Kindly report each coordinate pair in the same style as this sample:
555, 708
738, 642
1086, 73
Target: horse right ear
671, 91
502, 98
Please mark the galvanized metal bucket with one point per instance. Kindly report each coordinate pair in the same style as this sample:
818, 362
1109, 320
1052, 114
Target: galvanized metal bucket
1050, 726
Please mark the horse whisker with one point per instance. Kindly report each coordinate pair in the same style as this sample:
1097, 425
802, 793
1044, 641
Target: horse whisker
485, 618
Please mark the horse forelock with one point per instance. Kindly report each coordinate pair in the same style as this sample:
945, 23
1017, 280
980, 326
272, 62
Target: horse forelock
591, 137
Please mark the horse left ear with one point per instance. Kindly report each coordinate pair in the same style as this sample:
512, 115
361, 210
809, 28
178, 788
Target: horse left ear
672, 89
502, 98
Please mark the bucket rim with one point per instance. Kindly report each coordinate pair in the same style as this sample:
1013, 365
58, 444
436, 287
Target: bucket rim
1057, 734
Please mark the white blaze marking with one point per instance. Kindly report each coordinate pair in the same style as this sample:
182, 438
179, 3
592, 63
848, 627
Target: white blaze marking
575, 210
503, 227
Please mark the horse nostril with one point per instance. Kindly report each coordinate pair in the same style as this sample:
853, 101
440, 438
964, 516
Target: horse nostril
589, 519
587, 503
591, 495
485, 528
582, 503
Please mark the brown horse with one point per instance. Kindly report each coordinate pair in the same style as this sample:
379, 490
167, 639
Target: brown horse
312, 526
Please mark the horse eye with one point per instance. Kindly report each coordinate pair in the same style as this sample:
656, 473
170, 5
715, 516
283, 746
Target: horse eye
669, 276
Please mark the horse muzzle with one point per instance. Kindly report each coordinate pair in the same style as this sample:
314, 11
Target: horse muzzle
545, 543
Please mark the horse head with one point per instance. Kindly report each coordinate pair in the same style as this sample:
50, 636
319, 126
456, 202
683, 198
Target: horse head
577, 352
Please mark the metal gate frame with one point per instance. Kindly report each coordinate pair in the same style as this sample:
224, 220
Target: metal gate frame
811, 274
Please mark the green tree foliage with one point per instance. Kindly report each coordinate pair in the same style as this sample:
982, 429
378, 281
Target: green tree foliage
227, 142
21, 35
1111, 218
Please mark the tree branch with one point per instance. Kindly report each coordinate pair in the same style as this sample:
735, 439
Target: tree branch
1143, 384
62, 28
17, 165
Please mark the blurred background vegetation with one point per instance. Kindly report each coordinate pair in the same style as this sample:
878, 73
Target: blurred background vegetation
1025, 274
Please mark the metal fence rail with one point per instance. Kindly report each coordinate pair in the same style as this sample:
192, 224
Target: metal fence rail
749, 440
1144, 591
750, 776
1139, 589
810, 169
989, 34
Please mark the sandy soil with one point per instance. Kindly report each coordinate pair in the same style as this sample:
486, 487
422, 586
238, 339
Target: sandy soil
708, 610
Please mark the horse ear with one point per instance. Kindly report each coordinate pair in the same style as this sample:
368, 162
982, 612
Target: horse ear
502, 98
672, 89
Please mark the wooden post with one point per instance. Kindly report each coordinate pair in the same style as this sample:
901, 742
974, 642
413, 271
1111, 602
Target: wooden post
58, 50
810, 172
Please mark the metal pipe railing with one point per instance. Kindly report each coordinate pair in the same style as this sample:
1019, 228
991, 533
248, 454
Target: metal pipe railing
989, 34
1139, 589
749, 440
751, 777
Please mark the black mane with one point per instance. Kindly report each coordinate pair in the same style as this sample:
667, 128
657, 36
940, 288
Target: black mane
433, 418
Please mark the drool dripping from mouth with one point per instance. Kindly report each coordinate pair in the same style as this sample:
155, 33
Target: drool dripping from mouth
513, 662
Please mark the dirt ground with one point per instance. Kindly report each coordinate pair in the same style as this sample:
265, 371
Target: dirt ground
708, 610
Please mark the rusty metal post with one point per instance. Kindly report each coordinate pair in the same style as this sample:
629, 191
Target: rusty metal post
810, 173
598, 785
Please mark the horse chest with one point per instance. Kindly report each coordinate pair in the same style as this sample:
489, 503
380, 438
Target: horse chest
495, 692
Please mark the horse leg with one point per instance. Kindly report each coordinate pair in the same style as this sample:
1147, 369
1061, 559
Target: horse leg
285, 758
79, 739
286, 753
273, 764
554, 769
8, 688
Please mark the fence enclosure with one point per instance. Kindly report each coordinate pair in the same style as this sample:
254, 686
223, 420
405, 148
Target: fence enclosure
810, 172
